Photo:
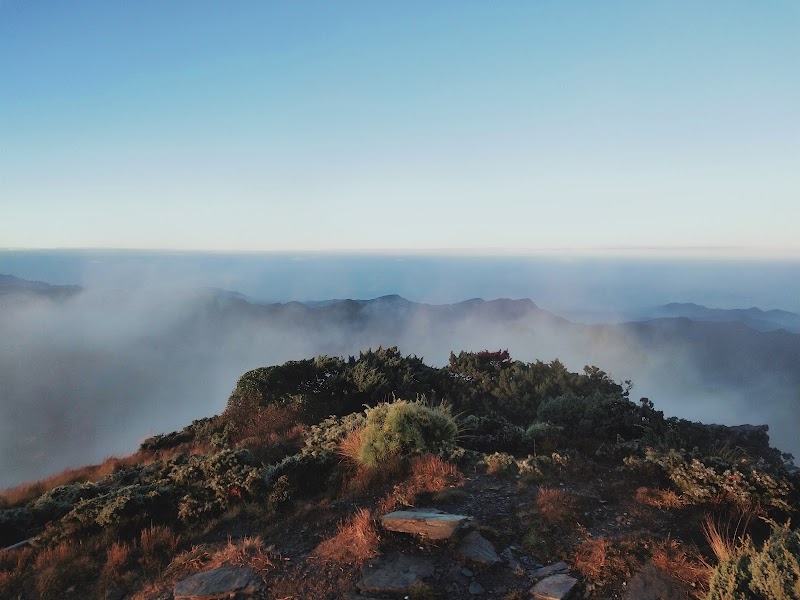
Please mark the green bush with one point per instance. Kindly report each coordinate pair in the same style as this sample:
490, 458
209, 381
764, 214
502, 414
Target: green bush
769, 573
711, 479
491, 433
403, 428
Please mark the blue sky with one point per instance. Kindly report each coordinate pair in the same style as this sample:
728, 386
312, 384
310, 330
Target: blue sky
476, 126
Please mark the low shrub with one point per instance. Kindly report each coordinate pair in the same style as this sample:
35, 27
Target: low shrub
404, 428
771, 572
500, 463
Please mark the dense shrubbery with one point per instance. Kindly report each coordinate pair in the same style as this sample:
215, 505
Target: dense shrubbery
713, 479
769, 573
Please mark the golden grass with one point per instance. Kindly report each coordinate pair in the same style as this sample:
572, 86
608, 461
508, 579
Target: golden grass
158, 544
60, 567
350, 446
683, 563
659, 498
604, 561
557, 507
356, 540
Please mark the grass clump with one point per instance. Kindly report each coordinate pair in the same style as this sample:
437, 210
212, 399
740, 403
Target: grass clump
404, 428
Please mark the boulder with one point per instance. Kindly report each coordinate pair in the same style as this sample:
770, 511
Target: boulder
430, 523
395, 573
555, 587
478, 549
218, 583
651, 583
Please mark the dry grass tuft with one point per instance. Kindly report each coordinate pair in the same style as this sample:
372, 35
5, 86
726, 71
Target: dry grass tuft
245, 552
158, 545
605, 561
682, 563
427, 474
350, 446
658, 498
557, 507
356, 540
727, 540
60, 567
117, 569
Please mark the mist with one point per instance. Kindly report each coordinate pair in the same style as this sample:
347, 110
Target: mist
91, 376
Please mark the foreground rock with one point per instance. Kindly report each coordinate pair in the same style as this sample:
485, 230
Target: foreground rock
478, 549
555, 587
395, 573
651, 583
432, 523
219, 583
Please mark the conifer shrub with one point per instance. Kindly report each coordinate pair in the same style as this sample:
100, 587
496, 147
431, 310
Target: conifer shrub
491, 433
771, 572
404, 428
713, 480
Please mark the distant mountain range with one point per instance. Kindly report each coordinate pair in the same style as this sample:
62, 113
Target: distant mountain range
10, 285
769, 320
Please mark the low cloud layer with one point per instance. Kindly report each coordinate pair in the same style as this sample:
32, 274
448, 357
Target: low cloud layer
93, 375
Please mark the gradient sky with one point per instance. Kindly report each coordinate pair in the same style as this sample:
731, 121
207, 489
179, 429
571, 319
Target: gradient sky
400, 125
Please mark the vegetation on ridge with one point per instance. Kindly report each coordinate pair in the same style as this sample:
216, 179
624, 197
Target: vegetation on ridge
382, 431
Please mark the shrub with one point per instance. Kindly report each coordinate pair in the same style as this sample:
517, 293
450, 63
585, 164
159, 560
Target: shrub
500, 463
713, 480
599, 417
491, 434
403, 428
769, 573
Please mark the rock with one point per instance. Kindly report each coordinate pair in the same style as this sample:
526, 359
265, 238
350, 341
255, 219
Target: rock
467, 573
478, 549
395, 573
508, 555
218, 583
555, 587
115, 594
428, 523
476, 589
559, 567
651, 583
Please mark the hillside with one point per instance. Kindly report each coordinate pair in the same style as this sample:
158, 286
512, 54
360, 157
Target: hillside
313, 480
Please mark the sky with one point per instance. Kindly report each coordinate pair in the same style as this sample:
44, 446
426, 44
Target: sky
481, 126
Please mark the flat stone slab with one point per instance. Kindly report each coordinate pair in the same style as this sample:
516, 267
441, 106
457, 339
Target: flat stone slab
555, 587
218, 583
651, 583
395, 573
431, 523
559, 567
478, 549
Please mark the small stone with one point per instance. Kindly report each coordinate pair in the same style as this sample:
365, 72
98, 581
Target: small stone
467, 573
476, 589
555, 587
478, 549
559, 567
